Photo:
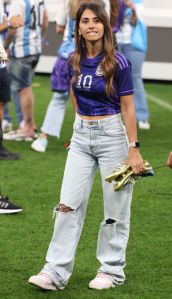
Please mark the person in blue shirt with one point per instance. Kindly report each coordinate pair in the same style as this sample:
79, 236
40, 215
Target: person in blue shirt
104, 135
131, 12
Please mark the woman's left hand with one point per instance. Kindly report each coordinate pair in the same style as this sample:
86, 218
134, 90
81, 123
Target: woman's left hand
135, 160
129, 4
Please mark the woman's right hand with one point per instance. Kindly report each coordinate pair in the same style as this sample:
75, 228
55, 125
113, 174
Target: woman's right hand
60, 29
129, 4
135, 160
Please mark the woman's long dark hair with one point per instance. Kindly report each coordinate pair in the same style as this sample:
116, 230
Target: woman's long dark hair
108, 64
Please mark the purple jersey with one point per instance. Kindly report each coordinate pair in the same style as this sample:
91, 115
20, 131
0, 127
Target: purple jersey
89, 89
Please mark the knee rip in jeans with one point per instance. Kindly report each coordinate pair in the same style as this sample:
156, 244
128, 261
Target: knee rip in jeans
63, 208
110, 221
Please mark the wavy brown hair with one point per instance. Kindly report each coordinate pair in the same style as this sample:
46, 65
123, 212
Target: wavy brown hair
108, 64
74, 5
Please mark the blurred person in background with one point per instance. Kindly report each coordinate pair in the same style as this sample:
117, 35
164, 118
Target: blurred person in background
130, 12
14, 22
25, 49
4, 98
7, 119
6, 206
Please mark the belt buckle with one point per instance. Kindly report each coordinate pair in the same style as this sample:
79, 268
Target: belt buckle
92, 123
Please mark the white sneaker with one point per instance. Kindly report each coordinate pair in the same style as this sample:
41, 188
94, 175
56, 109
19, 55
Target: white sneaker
40, 145
101, 281
6, 126
144, 125
43, 281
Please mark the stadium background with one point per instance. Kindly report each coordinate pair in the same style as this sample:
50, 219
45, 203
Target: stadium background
158, 63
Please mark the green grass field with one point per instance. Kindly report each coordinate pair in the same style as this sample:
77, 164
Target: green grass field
34, 182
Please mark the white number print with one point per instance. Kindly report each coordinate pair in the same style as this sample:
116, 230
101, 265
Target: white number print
36, 15
79, 81
85, 81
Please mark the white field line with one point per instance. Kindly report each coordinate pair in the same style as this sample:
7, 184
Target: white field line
159, 102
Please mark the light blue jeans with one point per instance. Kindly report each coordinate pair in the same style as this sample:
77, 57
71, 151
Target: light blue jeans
54, 117
137, 58
94, 144
19, 114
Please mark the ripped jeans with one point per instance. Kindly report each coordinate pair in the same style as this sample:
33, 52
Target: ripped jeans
102, 143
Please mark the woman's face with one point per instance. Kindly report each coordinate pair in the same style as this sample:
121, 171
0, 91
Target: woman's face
90, 26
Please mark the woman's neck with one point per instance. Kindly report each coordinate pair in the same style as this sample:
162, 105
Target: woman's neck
93, 49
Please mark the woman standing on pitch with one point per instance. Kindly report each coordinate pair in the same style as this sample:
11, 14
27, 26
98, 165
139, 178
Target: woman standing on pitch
102, 85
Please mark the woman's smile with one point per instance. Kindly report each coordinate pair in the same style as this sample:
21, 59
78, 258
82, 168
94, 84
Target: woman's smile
90, 26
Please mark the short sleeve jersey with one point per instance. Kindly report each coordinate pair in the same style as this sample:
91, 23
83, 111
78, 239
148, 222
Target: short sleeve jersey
28, 38
89, 88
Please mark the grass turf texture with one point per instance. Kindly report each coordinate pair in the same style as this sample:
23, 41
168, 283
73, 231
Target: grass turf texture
34, 182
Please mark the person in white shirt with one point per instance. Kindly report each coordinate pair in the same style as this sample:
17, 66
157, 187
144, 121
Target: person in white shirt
25, 50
